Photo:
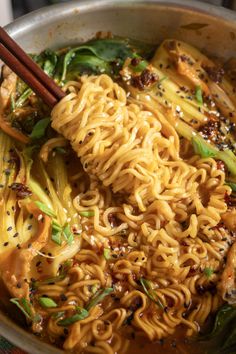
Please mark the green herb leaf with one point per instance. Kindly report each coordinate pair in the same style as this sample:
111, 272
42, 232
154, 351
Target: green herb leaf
107, 253
47, 302
202, 148
40, 128
82, 314
195, 26
68, 234
45, 209
150, 293
198, 95
86, 213
208, 272
21, 100
24, 305
98, 297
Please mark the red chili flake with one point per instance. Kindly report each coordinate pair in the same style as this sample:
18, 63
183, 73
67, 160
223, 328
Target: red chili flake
220, 165
22, 191
145, 79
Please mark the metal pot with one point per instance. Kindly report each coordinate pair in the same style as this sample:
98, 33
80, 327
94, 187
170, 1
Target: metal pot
207, 27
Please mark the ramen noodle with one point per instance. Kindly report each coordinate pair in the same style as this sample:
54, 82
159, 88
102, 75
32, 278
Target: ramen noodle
117, 208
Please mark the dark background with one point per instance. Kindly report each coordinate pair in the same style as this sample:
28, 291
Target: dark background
21, 7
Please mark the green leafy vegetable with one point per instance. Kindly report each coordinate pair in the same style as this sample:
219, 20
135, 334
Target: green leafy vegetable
21, 100
24, 305
47, 302
68, 234
56, 233
198, 95
80, 315
45, 209
202, 148
98, 297
208, 272
50, 62
147, 287
96, 55
86, 213
40, 128
223, 318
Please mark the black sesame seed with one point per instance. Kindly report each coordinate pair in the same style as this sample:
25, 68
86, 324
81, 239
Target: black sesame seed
9, 228
29, 227
38, 263
18, 246
8, 212
63, 297
5, 244
16, 234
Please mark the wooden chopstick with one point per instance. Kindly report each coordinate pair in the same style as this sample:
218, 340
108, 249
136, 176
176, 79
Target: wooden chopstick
16, 58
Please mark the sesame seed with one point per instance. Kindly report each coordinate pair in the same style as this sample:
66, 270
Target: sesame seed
29, 227
16, 234
9, 228
5, 244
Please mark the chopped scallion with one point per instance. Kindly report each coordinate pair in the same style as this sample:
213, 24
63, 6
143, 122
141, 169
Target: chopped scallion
107, 253
47, 302
208, 272
86, 213
19, 304
68, 234
45, 209
98, 297
146, 284
80, 315
198, 95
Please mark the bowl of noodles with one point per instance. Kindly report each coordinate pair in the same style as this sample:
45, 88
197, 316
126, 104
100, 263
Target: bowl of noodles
118, 205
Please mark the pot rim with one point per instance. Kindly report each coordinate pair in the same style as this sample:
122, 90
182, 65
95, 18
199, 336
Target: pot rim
64, 10
19, 27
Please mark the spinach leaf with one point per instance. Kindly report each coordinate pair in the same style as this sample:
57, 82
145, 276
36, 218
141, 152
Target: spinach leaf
84, 63
96, 56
